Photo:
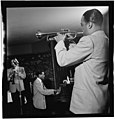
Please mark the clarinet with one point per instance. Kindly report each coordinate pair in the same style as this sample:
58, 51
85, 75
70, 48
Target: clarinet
12, 77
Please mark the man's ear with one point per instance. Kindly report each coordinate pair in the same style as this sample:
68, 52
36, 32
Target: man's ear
90, 25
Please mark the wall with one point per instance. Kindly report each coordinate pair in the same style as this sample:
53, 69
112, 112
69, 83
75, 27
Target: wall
19, 49
106, 24
40, 46
34, 48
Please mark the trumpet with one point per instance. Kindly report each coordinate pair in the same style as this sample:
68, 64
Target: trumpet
70, 35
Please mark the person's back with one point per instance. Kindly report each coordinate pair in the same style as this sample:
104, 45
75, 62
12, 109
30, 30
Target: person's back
40, 91
38, 98
91, 87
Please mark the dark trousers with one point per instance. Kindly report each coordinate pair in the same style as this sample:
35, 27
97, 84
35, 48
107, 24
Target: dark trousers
18, 102
40, 112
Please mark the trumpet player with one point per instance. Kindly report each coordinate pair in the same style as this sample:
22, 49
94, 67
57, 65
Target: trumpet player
90, 91
16, 75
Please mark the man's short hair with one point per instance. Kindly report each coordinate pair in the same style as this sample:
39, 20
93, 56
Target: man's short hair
15, 61
39, 72
94, 16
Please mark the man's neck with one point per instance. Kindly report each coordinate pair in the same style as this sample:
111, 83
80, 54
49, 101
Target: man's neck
96, 28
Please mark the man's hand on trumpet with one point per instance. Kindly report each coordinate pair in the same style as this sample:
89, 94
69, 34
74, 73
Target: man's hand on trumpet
59, 37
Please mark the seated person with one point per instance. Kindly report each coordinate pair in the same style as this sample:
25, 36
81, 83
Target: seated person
39, 92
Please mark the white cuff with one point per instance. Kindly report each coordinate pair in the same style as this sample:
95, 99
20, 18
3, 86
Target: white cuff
60, 45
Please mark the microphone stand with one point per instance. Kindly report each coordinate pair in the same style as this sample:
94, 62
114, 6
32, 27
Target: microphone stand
20, 97
53, 63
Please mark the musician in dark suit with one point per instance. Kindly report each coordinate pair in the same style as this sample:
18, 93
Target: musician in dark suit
15, 76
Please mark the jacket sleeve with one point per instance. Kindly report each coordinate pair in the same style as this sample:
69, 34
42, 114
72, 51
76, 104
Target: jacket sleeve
22, 73
79, 53
43, 90
8, 74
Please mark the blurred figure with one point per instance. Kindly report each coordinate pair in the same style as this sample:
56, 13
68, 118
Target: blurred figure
15, 76
90, 91
39, 92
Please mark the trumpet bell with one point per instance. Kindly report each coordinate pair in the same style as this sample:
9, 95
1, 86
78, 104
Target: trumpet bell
39, 34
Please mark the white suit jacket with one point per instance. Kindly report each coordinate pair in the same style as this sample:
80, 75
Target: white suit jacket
39, 91
91, 55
